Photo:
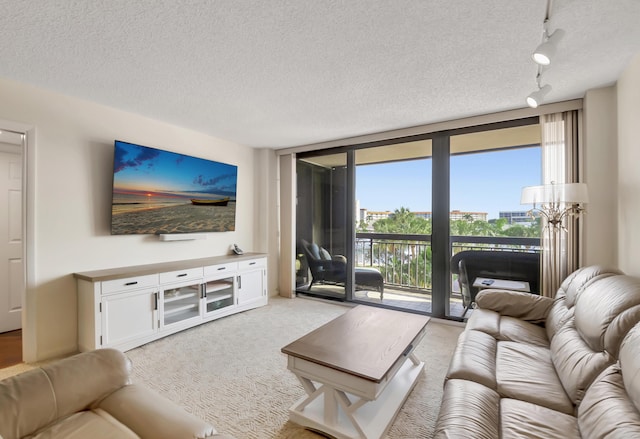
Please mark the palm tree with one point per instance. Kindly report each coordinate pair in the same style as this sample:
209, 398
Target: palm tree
408, 262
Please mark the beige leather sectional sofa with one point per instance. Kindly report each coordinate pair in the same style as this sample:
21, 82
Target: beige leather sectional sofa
533, 367
90, 395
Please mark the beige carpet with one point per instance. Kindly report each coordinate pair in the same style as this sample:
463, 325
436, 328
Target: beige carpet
231, 371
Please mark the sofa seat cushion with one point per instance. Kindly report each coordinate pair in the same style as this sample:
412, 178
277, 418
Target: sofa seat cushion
520, 419
94, 424
474, 359
468, 410
507, 328
513, 329
526, 372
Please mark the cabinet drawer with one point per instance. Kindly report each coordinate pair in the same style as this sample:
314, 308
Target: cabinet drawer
129, 284
252, 263
180, 275
220, 269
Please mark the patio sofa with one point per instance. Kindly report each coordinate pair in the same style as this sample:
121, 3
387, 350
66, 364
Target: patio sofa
89, 395
507, 265
536, 367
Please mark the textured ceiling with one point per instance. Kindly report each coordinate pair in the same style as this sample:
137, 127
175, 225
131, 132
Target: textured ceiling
277, 73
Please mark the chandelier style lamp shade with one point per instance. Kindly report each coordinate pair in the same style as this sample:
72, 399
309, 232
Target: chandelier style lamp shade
555, 203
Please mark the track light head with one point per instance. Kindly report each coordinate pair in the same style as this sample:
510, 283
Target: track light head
544, 52
535, 98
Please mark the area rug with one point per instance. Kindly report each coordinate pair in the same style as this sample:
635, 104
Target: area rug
231, 372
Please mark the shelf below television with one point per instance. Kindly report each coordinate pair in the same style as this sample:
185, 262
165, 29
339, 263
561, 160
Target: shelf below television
181, 236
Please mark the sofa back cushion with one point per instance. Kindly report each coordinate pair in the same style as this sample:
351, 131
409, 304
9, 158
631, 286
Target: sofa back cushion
630, 365
27, 403
610, 405
36, 398
566, 296
85, 379
605, 310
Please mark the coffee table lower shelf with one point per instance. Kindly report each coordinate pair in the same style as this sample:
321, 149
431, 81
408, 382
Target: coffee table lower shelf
330, 410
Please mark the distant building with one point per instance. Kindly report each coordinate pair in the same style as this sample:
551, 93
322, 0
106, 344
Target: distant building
425, 215
516, 217
371, 216
475, 216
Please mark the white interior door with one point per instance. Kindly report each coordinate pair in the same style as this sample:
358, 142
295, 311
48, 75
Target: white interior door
11, 237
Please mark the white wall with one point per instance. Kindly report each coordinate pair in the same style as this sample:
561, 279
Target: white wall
600, 174
628, 108
73, 161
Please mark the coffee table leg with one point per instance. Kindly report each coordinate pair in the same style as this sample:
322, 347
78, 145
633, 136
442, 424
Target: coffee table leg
312, 391
333, 401
344, 415
349, 408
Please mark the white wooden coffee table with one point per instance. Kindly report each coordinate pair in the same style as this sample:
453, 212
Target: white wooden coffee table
357, 371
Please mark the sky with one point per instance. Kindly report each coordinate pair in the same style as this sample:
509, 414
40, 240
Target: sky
143, 169
483, 182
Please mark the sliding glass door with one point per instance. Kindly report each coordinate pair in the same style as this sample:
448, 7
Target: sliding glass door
321, 225
379, 224
488, 171
393, 223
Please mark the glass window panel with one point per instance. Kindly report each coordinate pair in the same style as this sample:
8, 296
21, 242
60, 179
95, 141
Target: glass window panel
487, 173
321, 228
393, 223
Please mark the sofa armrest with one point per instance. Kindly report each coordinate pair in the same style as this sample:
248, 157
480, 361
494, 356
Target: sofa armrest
152, 416
525, 306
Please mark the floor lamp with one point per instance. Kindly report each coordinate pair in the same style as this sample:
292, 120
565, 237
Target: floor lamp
556, 203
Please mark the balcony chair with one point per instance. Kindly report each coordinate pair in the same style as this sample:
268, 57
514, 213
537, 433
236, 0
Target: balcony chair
332, 270
507, 265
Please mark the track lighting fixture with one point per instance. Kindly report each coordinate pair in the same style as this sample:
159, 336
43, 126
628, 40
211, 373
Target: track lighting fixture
543, 56
535, 98
546, 50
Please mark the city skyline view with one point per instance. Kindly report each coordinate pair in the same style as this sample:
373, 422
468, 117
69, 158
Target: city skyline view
488, 182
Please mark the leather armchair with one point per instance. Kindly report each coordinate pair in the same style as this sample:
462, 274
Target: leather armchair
90, 395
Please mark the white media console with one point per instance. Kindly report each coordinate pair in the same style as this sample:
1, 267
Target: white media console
127, 307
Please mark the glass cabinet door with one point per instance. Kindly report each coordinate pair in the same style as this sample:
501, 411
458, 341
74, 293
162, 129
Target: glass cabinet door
180, 303
218, 294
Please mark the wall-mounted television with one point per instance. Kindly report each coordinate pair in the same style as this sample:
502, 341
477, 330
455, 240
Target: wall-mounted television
163, 192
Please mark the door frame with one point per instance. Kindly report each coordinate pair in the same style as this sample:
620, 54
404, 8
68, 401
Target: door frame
29, 301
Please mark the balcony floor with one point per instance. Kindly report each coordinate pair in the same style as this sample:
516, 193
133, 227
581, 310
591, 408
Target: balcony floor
393, 297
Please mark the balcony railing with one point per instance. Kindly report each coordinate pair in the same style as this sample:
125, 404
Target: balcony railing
405, 260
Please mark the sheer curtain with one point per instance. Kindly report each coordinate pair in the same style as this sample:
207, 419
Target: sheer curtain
560, 164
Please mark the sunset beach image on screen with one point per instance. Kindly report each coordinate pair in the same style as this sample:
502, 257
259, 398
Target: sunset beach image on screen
162, 192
